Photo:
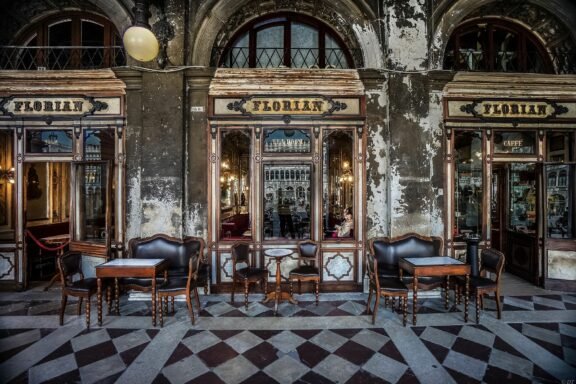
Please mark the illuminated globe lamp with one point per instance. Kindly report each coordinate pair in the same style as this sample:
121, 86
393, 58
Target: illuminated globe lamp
139, 41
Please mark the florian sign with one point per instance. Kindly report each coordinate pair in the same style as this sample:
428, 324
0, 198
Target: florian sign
286, 107
50, 106
263, 105
504, 109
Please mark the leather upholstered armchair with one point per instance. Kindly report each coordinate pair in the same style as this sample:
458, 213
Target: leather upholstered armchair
388, 250
177, 251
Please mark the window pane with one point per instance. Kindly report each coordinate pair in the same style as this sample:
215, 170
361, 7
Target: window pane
468, 182
559, 192
235, 176
515, 142
49, 141
522, 197
237, 56
99, 144
506, 45
287, 202
59, 35
92, 202
47, 191
559, 146
7, 188
472, 50
335, 55
338, 185
270, 47
92, 36
304, 50
286, 141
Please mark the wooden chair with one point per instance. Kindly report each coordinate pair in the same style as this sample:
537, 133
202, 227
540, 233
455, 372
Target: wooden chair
385, 287
307, 269
247, 274
183, 285
493, 262
69, 266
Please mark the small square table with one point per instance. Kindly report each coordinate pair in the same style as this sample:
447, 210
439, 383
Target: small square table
434, 266
130, 268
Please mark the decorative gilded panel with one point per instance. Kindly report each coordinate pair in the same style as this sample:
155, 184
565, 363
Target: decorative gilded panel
338, 266
7, 266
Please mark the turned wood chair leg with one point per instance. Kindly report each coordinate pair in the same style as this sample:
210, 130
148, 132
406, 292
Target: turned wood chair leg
79, 309
317, 291
246, 285
477, 307
233, 289
172, 301
291, 288
88, 313
197, 299
405, 309
161, 302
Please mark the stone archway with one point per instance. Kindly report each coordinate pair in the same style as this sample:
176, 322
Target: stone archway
553, 22
352, 22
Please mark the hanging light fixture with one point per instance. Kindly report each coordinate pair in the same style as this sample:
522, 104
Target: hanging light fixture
139, 41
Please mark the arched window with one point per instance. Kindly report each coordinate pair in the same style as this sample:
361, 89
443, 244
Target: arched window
552, 179
286, 40
495, 45
68, 40
562, 178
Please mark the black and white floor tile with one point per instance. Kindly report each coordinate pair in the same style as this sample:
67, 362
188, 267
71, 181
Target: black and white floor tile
334, 342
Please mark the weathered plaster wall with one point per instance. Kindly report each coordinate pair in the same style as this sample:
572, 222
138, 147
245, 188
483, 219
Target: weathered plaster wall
415, 143
407, 35
155, 177
377, 157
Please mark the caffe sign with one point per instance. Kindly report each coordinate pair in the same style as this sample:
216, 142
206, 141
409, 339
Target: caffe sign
51, 106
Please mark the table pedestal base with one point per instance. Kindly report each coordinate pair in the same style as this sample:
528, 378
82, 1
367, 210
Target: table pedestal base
279, 297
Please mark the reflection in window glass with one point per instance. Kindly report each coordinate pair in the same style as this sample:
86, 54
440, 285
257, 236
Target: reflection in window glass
286, 141
47, 192
338, 185
514, 142
99, 144
522, 198
92, 202
270, 47
560, 218
7, 188
304, 50
559, 146
235, 176
468, 184
287, 202
49, 141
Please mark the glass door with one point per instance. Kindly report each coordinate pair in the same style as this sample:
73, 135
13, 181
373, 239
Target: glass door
522, 222
93, 206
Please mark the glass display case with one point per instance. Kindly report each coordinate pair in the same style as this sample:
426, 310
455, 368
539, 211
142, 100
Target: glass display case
522, 198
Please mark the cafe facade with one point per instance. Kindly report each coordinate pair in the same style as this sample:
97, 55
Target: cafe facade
268, 121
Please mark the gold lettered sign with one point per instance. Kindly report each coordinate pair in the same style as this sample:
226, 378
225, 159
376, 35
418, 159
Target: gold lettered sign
513, 109
51, 106
270, 106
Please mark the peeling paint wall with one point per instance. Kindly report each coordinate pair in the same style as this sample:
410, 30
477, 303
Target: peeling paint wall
407, 45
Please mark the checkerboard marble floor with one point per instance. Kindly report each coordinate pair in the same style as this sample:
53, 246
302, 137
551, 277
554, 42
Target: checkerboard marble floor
334, 342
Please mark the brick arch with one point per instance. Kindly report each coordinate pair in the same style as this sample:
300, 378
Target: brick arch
552, 22
222, 19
